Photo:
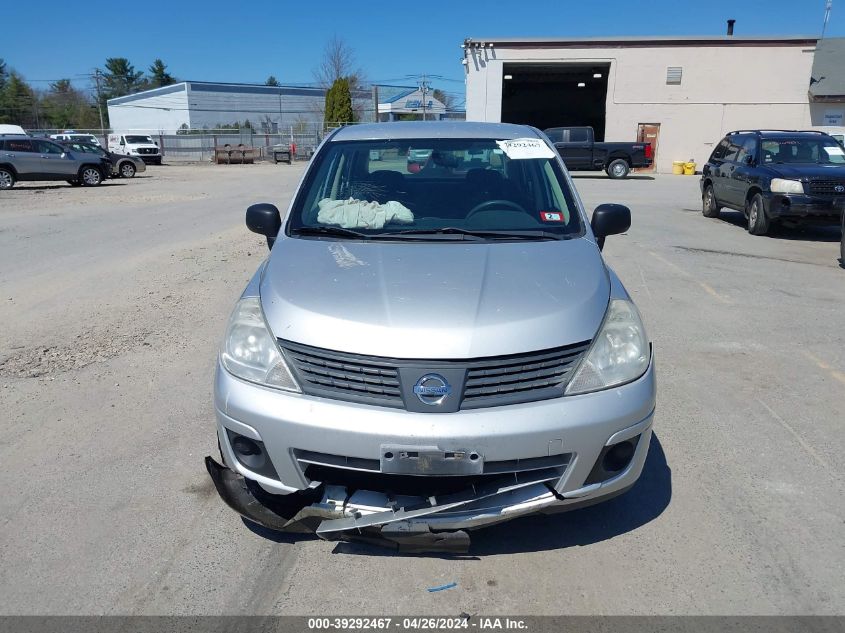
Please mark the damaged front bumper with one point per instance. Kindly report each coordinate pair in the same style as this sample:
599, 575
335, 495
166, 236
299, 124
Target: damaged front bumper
412, 523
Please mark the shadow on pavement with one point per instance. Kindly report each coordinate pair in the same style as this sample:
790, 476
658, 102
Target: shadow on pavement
807, 233
602, 176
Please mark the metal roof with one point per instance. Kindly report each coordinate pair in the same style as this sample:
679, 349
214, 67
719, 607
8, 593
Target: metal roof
433, 129
827, 78
231, 87
654, 40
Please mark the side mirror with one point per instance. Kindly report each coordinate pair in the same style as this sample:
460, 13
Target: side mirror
749, 160
610, 219
264, 218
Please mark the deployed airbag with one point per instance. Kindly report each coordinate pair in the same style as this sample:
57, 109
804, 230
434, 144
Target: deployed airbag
360, 214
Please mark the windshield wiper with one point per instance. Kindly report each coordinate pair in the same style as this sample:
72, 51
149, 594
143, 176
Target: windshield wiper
480, 234
329, 230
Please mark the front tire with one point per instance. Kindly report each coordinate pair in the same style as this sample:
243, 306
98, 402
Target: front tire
618, 168
758, 221
127, 170
90, 176
7, 178
709, 205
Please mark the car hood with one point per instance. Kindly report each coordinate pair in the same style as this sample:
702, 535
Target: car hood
434, 300
803, 172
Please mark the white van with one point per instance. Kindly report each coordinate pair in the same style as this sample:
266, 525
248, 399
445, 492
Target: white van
5, 128
69, 136
140, 145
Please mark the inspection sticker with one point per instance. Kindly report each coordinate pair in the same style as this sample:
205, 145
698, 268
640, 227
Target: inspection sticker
522, 148
551, 216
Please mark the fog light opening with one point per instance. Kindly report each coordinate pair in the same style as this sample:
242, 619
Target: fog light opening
613, 460
251, 454
618, 457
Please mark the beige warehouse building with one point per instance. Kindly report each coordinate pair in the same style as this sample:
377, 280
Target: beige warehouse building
681, 93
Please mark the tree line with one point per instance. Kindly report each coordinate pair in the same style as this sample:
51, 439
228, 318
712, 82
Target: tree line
62, 105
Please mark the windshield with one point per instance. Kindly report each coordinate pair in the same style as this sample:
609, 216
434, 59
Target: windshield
822, 150
450, 187
88, 138
139, 139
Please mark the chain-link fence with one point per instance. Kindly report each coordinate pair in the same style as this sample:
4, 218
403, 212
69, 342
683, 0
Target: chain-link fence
198, 145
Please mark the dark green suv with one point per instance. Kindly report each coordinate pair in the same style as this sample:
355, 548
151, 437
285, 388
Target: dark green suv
776, 176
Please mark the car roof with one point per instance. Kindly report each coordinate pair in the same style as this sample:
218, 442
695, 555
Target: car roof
433, 129
781, 133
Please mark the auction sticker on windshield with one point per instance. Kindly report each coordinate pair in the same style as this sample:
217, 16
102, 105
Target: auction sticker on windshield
551, 216
524, 148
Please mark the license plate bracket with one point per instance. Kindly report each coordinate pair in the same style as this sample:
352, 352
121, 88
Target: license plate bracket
430, 460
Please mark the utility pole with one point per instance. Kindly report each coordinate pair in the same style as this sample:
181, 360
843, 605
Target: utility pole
424, 89
376, 118
99, 100
827, 7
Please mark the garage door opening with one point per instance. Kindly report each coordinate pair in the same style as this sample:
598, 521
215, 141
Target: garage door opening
555, 95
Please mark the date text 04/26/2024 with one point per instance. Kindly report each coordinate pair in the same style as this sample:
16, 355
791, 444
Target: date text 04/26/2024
416, 623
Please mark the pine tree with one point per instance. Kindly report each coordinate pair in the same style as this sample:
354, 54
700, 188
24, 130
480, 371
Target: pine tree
120, 78
271, 81
159, 76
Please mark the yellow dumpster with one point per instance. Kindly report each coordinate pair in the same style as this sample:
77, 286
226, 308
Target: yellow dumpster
678, 167
689, 168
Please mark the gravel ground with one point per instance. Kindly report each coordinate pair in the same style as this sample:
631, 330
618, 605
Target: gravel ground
113, 300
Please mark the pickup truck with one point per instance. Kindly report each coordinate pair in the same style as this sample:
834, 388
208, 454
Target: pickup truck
579, 150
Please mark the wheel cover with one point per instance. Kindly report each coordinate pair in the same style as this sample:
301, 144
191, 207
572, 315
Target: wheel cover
618, 169
5, 180
752, 214
91, 176
708, 198
127, 170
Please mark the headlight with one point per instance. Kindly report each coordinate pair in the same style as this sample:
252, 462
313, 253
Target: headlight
619, 354
249, 350
781, 185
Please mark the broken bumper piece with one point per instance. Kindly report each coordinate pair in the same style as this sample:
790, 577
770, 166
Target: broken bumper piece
406, 523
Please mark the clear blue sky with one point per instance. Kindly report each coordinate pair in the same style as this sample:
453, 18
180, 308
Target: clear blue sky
247, 41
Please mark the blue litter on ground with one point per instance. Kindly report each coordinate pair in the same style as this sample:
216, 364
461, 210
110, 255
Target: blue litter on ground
442, 587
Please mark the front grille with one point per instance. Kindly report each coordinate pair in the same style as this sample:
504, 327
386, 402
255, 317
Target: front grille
827, 187
345, 376
341, 462
536, 375
147, 150
364, 474
491, 381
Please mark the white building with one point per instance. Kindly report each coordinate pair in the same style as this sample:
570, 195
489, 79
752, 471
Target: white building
681, 93
413, 102
200, 104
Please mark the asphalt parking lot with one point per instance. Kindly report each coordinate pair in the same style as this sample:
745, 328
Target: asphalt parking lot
112, 304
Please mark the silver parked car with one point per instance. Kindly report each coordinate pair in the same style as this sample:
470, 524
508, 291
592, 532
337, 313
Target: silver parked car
431, 351
121, 166
26, 158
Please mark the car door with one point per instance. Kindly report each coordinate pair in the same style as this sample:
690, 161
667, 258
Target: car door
742, 175
55, 161
576, 149
23, 156
728, 194
714, 169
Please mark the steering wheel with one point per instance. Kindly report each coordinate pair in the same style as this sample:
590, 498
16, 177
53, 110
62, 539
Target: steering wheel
507, 204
